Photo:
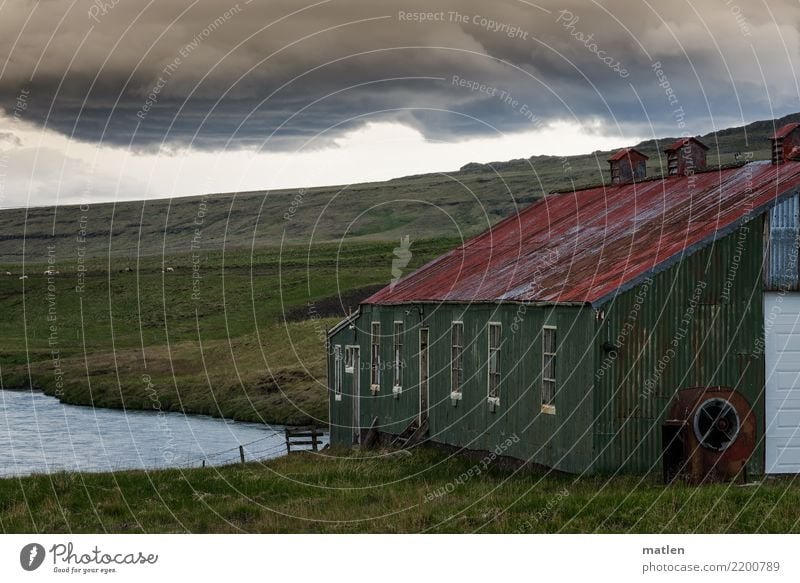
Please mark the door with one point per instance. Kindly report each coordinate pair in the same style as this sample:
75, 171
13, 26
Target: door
356, 394
423, 374
782, 370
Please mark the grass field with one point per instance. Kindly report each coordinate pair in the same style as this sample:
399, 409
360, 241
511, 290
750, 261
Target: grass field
248, 346
378, 493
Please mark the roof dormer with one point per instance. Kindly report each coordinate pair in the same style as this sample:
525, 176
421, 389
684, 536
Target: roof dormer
784, 141
685, 157
628, 165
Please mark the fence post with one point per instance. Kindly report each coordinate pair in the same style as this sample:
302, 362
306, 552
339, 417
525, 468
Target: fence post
314, 438
204, 463
241, 452
288, 442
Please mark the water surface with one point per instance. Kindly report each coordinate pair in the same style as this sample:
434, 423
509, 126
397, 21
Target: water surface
39, 434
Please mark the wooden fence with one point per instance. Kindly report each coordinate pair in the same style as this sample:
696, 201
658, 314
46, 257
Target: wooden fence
296, 436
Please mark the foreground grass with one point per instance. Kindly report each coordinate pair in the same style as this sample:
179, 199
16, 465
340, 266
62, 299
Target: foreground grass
378, 493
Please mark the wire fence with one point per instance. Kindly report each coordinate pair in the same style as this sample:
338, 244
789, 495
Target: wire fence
268, 447
246, 452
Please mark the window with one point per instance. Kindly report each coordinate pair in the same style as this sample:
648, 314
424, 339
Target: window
549, 369
349, 357
456, 358
397, 363
375, 357
337, 372
494, 363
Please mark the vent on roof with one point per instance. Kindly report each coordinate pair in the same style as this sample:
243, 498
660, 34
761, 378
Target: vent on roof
685, 157
784, 142
628, 165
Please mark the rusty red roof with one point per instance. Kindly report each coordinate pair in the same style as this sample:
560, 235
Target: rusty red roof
627, 152
586, 246
784, 131
678, 144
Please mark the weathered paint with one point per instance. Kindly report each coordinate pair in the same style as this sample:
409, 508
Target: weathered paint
684, 254
785, 131
711, 458
606, 420
783, 224
686, 156
586, 246
627, 165
562, 441
341, 411
784, 141
698, 324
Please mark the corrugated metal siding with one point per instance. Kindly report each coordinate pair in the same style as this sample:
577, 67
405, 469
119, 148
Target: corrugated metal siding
699, 323
563, 441
341, 412
784, 230
707, 309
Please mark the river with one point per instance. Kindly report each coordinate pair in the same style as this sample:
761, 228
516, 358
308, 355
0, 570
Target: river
39, 434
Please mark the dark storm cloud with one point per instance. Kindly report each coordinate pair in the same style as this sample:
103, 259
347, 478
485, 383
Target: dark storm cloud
281, 74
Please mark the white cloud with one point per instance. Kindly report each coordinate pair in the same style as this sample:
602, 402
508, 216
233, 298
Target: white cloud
52, 169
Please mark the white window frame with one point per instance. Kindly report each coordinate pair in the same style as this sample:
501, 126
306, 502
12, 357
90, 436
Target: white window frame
375, 359
348, 359
456, 394
496, 399
397, 356
549, 407
337, 372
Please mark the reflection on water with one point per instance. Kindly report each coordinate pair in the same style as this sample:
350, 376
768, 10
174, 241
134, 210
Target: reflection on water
39, 434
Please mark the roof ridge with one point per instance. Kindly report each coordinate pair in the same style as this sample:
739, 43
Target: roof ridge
599, 240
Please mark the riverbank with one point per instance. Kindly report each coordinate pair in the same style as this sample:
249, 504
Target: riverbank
425, 492
276, 377
240, 335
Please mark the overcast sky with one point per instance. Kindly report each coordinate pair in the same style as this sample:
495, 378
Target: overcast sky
115, 99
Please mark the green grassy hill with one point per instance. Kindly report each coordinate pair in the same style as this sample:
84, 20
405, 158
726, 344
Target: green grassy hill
244, 340
451, 205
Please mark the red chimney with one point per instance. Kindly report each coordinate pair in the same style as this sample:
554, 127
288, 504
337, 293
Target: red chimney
685, 157
628, 165
784, 141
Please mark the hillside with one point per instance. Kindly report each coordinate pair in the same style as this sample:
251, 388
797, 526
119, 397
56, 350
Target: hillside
454, 205
723, 144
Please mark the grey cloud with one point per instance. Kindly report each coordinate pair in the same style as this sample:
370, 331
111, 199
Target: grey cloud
233, 75
10, 139
59, 179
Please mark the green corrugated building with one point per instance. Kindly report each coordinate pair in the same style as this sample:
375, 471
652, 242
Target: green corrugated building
575, 326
